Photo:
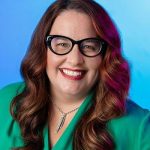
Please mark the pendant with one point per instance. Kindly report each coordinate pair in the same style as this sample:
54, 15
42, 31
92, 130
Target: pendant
61, 122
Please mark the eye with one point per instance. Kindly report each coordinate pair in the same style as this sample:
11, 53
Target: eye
65, 45
89, 47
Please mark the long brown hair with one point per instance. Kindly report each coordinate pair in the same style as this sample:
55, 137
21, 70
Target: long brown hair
30, 108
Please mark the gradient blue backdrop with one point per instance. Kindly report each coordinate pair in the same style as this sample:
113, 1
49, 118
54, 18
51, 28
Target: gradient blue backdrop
19, 18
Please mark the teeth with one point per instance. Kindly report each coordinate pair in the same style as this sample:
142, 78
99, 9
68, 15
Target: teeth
72, 73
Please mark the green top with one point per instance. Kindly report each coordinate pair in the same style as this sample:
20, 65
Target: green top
130, 132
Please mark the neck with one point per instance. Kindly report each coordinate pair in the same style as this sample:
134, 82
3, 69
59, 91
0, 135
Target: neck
66, 103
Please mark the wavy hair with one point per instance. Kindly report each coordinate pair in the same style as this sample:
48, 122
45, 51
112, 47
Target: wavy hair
30, 108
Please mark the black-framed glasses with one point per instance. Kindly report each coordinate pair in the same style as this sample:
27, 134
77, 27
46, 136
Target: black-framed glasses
62, 45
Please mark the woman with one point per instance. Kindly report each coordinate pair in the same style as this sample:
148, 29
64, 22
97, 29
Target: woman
76, 83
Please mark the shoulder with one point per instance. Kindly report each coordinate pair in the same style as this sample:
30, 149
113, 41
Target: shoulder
6, 95
8, 92
133, 127
9, 129
132, 107
12, 89
134, 113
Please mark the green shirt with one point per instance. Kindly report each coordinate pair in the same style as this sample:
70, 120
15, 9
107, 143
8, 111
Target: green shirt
129, 132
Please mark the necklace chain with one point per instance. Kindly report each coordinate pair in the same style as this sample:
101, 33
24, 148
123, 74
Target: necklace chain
60, 110
63, 117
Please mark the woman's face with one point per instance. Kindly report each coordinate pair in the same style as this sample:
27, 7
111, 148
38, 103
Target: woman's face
73, 74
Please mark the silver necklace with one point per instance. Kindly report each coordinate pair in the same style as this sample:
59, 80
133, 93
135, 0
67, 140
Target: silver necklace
63, 117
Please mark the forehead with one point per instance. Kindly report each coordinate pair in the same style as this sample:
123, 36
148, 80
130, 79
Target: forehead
76, 25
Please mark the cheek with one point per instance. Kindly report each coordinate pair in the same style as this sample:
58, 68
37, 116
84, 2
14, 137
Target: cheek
52, 60
94, 68
94, 65
51, 64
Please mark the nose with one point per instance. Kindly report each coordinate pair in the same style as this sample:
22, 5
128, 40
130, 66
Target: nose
75, 57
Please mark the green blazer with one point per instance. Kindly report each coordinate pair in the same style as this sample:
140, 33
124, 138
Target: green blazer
130, 132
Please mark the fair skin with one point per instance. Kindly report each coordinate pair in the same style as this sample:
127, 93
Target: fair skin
67, 91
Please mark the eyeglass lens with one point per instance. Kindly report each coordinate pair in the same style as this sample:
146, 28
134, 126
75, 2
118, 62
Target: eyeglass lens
61, 45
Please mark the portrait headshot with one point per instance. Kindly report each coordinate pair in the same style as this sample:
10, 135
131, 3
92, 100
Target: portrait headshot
74, 75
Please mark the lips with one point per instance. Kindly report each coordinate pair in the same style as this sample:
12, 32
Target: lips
73, 74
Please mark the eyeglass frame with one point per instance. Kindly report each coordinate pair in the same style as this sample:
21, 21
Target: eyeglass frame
78, 42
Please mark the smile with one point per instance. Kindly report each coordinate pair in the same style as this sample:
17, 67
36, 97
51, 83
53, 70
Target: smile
72, 74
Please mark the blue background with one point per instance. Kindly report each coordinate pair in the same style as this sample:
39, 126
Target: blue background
18, 20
